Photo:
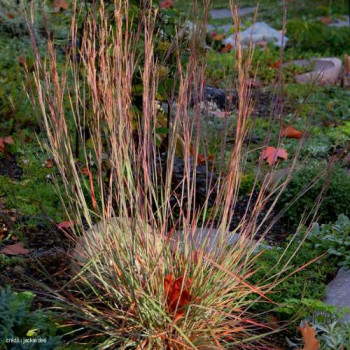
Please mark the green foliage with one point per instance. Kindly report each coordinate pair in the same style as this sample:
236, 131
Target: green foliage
334, 200
14, 105
247, 183
334, 238
304, 307
35, 193
309, 283
18, 321
305, 33
300, 294
313, 35
10, 261
333, 335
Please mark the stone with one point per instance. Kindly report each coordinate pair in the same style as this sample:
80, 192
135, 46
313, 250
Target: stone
204, 238
325, 71
115, 235
215, 95
221, 14
225, 28
258, 32
338, 291
341, 21
226, 13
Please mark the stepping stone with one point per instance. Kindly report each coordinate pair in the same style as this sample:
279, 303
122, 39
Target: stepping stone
343, 21
326, 71
222, 28
225, 28
226, 13
338, 291
204, 238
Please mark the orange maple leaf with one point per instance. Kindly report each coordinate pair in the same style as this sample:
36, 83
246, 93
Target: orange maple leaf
292, 133
177, 293
271, 154
309, 337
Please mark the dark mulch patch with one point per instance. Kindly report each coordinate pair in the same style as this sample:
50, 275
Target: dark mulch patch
9, 167
265, 103
275, 234
48, 259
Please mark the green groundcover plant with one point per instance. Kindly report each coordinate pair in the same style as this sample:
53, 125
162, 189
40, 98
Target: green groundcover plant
23, 328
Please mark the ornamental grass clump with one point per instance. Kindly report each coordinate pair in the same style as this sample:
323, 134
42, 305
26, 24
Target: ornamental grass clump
142, 279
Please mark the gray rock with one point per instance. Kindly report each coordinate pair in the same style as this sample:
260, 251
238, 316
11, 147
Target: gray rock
325, 71
338, 291
216, 96
342, 21
204, 238
221, 14
115, 234
225, 28
226, 13
258, 32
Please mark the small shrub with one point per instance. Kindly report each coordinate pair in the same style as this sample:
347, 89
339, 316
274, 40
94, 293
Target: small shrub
314, 36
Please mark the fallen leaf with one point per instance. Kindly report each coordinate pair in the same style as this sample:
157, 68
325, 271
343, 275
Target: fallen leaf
309, 337
292, 133
326, 20
228, 48
8, 140
14, 249
49, 163
177, 293
60, 4
276, 64
167, 4
65, 224
271, 154
85, 170
201, 159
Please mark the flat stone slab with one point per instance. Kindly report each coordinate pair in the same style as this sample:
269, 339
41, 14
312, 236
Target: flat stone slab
324, 71
205, 238
342, 21
226, 13
338, 291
